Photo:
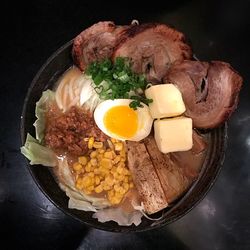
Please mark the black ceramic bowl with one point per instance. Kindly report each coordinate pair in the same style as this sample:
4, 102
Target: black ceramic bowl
53, 68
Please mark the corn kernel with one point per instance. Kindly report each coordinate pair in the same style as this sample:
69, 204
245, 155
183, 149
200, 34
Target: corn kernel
79, 183
91, 142
98, 144
97, 171
126, 179
88, 167
125, 185
118, 146
125, 171
106, 163
120, 168
123, 153
91, 174
114, 140
93, 162
86, 181
113, 170
91, 188
131, 185
116, 187
106, 187
108, 155
98, 189
111, 193
116, 175
83, 160
123, 159
117, 159
93, 154
77, 166
100, 151
109, 180
120, 177
97, 180
122, 190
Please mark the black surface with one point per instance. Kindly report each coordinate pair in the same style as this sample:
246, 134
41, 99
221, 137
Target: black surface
31, 33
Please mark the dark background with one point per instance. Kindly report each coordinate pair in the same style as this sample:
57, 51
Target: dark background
31, 32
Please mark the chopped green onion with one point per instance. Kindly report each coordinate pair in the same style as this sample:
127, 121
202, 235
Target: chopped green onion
117, 80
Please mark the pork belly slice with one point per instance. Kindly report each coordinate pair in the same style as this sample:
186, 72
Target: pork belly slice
95, 43
210, 91
171, 175
152, 47
145, 178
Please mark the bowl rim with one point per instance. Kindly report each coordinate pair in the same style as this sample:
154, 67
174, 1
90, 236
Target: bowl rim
123, 229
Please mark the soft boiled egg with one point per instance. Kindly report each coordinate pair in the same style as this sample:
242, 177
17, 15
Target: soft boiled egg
116, 119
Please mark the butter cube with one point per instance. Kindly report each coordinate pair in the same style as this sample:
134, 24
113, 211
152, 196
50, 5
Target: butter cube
167, 101
173, 134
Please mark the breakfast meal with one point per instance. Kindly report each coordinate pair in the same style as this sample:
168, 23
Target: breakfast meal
125, 130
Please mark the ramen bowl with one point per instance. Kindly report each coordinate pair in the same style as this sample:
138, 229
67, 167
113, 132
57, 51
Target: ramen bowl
47, 76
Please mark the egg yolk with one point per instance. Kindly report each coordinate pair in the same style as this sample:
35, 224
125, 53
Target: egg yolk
122, 121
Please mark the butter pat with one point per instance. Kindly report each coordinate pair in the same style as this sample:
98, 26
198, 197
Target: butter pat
167, 101
174, 134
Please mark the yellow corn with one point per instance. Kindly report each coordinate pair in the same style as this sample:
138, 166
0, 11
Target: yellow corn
93, 154
98, 189
98, 144
106, 187
126, 179
108, 155
105, 170
88, 167
114, 140
125, 186
118, 146
83, 160
106, 163
79, 183
123, 153
117, 159
100, 151
91, 142
91, 188
91, 175
77, 166
86, 181
97, 180
93, 162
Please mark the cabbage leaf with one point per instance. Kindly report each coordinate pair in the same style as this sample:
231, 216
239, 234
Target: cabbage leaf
38, 154
117, 214
41, 108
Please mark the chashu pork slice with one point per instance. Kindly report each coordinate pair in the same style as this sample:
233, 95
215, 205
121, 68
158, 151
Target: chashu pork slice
96, 43
152, 47
210, 91
145, 178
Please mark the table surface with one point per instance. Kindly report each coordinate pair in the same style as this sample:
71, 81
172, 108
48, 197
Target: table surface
218, 30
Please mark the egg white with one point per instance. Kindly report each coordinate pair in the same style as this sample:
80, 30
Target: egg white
145, 120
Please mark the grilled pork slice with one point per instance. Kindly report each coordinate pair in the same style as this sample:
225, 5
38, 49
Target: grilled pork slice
171, 175
210, 91
145, 178
153, 48
95, 43
162, 178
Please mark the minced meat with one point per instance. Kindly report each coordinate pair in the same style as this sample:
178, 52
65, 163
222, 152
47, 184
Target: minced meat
66, 131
